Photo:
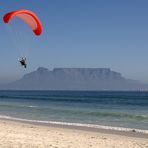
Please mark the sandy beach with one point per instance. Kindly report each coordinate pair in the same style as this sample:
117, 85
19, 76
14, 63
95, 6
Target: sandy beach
15, 134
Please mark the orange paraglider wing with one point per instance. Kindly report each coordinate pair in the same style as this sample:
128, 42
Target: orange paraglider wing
28, 17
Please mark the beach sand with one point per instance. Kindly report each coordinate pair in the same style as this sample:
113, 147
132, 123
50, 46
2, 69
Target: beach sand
15, 134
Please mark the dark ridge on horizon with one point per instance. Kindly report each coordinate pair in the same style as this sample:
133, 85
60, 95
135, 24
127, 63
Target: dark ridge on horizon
83, 79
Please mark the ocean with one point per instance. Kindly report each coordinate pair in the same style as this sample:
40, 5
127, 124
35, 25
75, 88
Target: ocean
100, 109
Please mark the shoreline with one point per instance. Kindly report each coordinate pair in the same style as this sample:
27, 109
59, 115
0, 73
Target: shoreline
88, 128
18, 134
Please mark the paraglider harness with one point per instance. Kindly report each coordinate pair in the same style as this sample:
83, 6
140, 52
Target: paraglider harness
23, 62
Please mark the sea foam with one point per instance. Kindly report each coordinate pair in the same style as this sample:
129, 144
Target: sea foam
77, 124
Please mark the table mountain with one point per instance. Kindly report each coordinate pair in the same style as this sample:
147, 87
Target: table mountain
74, 79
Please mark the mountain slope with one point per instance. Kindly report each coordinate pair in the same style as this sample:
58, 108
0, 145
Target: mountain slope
74, 79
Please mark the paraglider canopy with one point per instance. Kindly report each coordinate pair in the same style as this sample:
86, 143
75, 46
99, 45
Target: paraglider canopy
28, 17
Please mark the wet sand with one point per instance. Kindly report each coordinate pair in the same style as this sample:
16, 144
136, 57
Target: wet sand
16, 134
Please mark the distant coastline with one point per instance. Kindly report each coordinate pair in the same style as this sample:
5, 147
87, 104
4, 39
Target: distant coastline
79, 79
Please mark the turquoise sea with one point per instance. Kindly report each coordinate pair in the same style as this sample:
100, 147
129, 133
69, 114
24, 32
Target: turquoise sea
107, 109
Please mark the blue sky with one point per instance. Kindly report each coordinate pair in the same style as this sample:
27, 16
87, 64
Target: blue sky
80, 33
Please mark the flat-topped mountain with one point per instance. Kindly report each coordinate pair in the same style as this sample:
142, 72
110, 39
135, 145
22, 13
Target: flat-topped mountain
74, 79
